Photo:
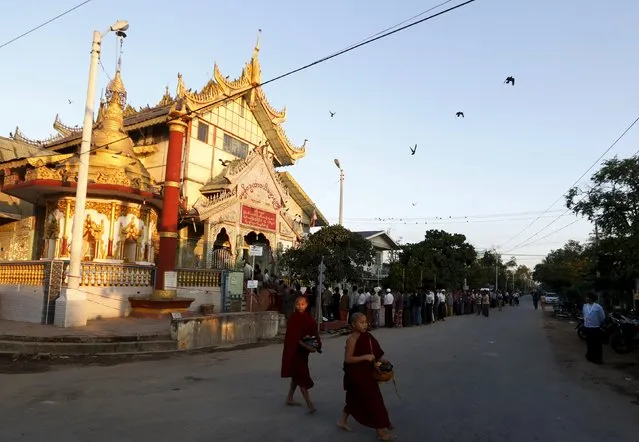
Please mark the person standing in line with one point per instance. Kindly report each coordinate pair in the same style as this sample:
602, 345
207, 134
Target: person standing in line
376, 305
594, 317
485, 304
344, 305
389, 300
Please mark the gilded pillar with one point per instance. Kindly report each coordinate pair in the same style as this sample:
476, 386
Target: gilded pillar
168, 228
67, 216
111, 229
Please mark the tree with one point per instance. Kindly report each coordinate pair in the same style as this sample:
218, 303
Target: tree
612, 199
345, 255
522, 277
440, 260
611, 202
567, 271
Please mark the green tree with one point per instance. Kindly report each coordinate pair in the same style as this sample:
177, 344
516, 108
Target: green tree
441, 259
567, 271
345, 255
611, 202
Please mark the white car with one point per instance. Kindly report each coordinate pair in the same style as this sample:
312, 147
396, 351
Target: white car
551, 298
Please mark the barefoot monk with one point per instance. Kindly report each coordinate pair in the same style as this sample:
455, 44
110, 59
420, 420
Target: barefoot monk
299, 328
364, 399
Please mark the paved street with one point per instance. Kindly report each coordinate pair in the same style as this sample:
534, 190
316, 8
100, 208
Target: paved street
468, 379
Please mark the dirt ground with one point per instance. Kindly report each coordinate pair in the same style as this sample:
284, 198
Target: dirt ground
619, 372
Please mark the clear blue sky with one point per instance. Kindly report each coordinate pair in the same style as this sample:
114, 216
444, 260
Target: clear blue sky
517, 149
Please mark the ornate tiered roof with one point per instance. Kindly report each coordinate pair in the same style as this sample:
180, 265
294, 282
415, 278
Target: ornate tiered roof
215, 93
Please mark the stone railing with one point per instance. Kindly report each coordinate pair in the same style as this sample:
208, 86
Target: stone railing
23, 272
199, 277
101, 274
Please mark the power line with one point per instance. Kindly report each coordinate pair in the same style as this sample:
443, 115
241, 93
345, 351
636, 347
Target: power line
456, 217
398, 24
44, 24
302, 68
441, 222
294, 71
573, 185
526, 244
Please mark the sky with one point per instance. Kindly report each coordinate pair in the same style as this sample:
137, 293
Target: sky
489, 175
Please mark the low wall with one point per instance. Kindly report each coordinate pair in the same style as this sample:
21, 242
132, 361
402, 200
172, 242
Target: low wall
111, 302
224, 329
202, 295
21, 303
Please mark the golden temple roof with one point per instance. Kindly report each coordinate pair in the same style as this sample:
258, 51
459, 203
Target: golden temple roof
214, 93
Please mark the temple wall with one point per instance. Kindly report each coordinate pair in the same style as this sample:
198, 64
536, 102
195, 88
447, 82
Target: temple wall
21, 303
155, 163
17, 240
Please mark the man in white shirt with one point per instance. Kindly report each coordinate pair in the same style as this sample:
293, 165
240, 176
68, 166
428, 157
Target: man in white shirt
388, 308
594, 317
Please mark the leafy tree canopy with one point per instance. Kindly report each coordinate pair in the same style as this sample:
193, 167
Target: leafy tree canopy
345, 255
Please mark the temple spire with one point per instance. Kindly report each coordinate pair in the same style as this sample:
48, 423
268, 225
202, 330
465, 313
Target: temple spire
256, 71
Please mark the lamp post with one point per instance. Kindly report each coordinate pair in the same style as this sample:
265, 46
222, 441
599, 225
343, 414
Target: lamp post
70, 306
341, 192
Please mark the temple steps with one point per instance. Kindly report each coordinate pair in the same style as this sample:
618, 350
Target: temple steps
77, 346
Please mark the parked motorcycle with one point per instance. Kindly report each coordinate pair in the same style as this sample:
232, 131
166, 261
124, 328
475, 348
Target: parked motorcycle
621, 333
566, 310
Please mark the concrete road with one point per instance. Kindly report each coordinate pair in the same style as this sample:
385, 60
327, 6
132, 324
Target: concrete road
467, 379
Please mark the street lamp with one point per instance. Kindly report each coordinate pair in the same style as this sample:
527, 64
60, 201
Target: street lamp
70, 306
341, 192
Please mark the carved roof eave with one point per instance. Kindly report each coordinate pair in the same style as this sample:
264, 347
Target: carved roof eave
63, 129
35, 161
19, 136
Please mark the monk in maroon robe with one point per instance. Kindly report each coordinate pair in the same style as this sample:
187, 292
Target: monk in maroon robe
364, 399
295, 354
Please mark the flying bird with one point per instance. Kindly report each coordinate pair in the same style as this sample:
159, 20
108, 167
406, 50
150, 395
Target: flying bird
413, 149
70, 102
510, 80
414, 204
224, 162
332, 113
460, 114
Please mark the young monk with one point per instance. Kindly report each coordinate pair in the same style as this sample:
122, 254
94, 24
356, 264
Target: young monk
296, 351
364, 399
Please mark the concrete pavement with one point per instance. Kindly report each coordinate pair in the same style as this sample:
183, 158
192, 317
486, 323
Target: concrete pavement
467, 379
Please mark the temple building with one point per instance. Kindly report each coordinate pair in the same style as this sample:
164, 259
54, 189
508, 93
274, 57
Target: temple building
230, 193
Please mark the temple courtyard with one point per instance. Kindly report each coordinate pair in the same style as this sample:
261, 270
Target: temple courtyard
466, 379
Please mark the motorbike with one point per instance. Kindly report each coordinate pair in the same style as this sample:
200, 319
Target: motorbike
566, 310
618, 331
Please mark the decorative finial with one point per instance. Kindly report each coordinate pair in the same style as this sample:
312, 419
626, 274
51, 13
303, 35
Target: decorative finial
257, 44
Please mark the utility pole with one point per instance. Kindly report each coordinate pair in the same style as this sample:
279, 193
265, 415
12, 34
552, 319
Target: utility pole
496, 271
597, 274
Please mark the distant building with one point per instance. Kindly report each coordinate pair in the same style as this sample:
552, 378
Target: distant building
383, 245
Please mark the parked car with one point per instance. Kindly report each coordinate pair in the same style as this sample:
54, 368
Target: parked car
551, 298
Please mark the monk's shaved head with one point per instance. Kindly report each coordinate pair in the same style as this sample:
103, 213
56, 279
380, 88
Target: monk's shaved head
356, 317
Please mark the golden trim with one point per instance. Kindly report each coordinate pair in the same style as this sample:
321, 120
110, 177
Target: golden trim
172, 184
177, 126
168, 235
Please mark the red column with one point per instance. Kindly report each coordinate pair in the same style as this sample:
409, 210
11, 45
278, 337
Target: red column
168, 228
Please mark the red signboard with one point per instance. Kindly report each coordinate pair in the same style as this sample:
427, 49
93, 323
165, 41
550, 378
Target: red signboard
260, 219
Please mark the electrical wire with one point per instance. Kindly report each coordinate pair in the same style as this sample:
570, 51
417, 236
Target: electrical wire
302, 68
442, 222
432, 8
24, 34
623, 134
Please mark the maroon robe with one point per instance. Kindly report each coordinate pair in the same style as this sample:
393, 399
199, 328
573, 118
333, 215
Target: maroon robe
364, 399
294, 356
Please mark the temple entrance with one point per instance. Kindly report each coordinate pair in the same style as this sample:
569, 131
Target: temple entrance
222, 254
262, 263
